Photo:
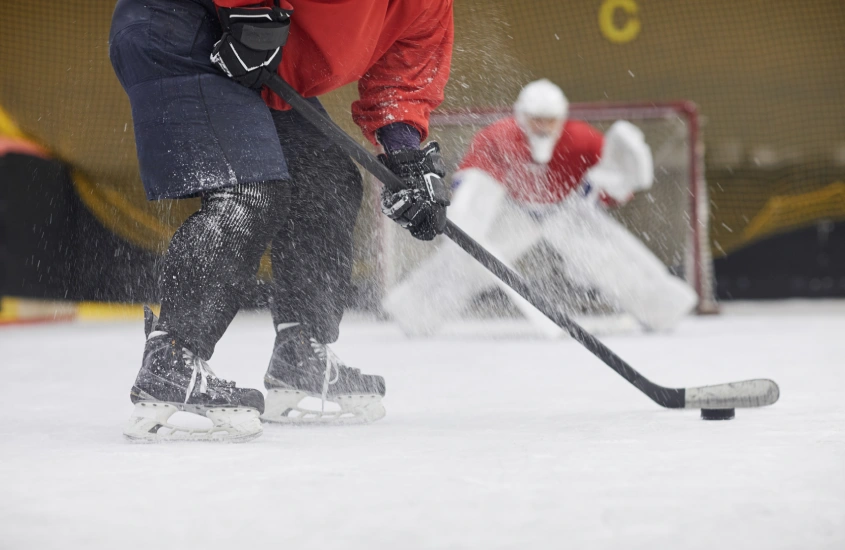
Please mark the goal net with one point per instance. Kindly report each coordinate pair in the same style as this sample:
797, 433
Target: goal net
670, 219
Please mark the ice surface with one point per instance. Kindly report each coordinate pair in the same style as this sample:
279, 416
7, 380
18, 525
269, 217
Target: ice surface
487, 444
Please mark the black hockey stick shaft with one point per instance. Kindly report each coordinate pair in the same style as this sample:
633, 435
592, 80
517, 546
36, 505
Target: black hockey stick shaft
667, 397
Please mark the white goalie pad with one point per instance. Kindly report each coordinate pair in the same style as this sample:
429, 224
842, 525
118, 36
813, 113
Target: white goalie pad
151, 423
442, 286
626, 164
476, 202
598, 252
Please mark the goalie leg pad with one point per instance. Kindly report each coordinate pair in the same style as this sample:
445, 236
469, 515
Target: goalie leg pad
443, 285
599, 252
437, 290
150, 423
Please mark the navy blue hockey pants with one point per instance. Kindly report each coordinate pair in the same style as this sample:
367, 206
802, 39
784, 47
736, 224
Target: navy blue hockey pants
265, 178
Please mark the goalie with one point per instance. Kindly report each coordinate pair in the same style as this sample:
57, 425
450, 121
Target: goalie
538, 177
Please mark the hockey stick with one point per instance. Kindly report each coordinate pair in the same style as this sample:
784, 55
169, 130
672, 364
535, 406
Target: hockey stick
748, 393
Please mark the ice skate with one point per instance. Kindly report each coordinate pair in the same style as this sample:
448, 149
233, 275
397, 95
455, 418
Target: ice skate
173, 379
308, 384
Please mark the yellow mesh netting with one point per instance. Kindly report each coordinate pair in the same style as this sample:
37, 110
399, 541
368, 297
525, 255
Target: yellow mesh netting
767, 77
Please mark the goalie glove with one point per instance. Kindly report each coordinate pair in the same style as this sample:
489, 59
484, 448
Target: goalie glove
421, 206
626, 164
250, 49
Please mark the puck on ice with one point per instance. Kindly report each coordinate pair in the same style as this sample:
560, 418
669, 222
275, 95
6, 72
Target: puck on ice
717, 414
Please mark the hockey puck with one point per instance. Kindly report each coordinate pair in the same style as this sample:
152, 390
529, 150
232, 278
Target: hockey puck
717, 414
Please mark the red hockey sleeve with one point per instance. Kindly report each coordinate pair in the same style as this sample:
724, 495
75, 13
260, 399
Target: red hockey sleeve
408, 82
590, 142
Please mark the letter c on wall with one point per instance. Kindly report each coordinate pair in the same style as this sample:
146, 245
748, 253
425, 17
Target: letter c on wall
629, 30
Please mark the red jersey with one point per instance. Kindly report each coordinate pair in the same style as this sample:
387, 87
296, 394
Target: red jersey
399, 51
502, 151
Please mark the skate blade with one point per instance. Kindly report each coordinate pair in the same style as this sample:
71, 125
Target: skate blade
286, 407
149, 423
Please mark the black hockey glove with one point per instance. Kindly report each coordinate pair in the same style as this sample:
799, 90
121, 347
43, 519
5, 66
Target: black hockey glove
250, 49
421, 206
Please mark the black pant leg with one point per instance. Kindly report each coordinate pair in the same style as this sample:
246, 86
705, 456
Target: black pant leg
213, 255
312, 253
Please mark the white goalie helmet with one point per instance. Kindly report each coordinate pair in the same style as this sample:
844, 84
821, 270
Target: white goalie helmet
541, 110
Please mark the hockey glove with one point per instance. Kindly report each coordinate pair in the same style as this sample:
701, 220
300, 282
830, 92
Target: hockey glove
421, 206
250, 49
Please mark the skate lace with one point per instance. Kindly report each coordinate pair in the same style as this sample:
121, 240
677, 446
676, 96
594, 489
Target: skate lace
201, 370
333, 363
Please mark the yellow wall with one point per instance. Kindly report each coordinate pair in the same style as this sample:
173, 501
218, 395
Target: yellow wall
767, 75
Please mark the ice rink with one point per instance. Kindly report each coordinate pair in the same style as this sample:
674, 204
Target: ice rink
488, 443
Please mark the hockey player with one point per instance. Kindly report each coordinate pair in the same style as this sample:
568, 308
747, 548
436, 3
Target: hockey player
535, 177
205, 126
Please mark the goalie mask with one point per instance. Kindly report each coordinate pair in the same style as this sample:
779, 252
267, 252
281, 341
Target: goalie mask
541, 110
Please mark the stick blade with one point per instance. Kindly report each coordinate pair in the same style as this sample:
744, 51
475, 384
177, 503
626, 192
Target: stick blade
748, 393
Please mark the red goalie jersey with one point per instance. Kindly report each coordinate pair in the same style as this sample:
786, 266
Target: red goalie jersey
502, 151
